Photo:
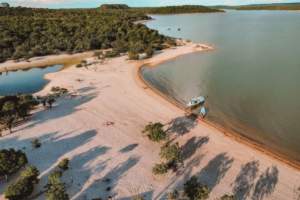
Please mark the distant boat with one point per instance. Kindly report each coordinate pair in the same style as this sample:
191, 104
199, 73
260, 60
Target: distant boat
168, 28
195, 101
202, 112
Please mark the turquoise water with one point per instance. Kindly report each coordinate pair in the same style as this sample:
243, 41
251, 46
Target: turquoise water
25, 82
251, 81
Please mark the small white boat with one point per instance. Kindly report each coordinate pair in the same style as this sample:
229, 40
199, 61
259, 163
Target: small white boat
202, 112
195, 101
168, 28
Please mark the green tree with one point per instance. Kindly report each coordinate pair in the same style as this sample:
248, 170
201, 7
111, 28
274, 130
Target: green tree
36, 143
194, 190
149, 51
98, 54
50, 99
170, 152
228, 197
54, 177
31, 173
78, 65
69, 51
4, 4
174, 195
64, 164
84, 62
55, 189
57, 192
159, 169
155, 131
19, 189
11, 161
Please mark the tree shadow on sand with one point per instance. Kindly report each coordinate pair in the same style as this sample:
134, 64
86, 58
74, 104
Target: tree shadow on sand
59, 110
182, 125
98, 188
215, 170
191, 146
81, 168
128, 148
266, 183
45, 156
244, 182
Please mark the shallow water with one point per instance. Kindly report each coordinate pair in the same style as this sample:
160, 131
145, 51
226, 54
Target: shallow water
26, 82
251, 82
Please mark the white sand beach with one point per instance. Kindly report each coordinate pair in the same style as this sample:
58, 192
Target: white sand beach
113, 92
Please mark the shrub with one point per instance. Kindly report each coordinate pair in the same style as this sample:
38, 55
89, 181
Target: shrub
174, 195
159, 169
64, 164
228, 197
149, 51
19, 189
78, 65
133, 56
54, 177
156, 132
194, 190
170, 153
188, 41
57, 192
111, 54
158, 46
69, 51
171, 41
98, 54
11, 161
36, 143
58, 90
31, 173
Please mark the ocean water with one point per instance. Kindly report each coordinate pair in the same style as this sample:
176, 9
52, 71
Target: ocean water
251, 82
25, 81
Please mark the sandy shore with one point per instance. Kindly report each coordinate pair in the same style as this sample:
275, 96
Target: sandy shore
42, 61
114, 92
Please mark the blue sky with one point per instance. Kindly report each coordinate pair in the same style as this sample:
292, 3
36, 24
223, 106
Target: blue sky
133, 3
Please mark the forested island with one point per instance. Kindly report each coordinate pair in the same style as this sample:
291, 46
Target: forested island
29, 32
287, 6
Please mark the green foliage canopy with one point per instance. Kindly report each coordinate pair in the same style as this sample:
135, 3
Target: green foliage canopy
31, 173
11, 161
13, 107
19, 189
37, 31
159, 169
64, 164
194, 190
170, 152
156, 132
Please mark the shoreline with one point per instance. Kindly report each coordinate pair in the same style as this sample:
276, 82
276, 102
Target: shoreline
190, 13
114, 92
248, 142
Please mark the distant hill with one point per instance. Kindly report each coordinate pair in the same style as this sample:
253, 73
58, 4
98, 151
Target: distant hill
114, 6
273, 6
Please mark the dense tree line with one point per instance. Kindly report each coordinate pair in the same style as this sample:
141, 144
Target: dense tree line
287, 6
114, 6
27, 32
270, 7
177, 9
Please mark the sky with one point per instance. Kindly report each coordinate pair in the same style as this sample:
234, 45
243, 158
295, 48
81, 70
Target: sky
133, 3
